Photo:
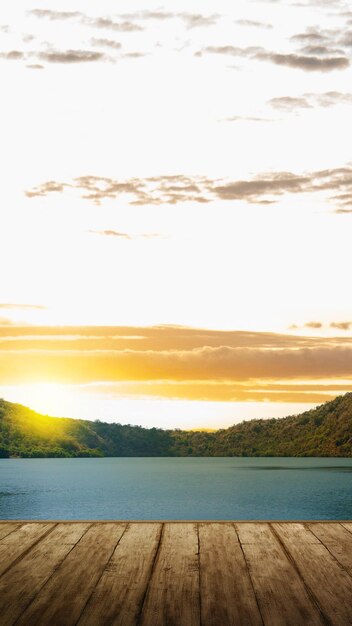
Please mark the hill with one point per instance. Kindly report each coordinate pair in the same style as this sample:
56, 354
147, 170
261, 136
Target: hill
323, 431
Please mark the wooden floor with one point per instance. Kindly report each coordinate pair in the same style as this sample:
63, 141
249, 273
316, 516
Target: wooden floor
175, 573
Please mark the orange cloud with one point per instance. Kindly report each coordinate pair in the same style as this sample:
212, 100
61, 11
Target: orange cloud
82, 355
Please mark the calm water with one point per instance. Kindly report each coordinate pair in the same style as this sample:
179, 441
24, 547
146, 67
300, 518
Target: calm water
176, 488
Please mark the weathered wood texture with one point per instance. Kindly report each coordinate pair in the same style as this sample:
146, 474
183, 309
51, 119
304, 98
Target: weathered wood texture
173, 593
176, 574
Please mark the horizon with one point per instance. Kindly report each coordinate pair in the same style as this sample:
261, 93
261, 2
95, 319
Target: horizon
176, 209
200, 429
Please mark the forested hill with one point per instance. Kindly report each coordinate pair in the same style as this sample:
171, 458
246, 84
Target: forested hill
323, 431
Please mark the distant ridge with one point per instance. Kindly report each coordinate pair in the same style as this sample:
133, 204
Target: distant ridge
323, 431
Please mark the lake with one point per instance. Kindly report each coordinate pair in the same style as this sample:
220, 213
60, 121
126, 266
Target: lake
176, 488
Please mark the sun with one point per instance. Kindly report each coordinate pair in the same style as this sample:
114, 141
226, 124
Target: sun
46, 398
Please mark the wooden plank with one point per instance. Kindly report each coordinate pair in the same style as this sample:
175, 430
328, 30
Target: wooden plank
6, 529
18, 542
347, 525
23, 581
297, 532
325, 577
253, 532
64, 596
173, 593
337, 540
226, 590
281, 594
117, 599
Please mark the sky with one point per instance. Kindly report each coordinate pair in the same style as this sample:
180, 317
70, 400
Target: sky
175, 208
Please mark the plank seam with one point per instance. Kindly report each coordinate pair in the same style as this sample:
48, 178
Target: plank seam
345, 527
49, 577
199, 578
23, 554
155, 560
310, 592
249, 574
341, 565
56, 567
12, 531
102, 574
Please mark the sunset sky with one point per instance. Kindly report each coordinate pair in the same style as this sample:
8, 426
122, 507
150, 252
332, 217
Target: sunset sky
175, 208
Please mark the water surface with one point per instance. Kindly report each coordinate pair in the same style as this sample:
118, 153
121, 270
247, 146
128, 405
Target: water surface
176, 488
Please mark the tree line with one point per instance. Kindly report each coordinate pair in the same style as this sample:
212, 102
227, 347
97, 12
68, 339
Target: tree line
323, 431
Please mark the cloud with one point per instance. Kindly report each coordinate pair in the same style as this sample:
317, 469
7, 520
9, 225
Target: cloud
71, 56
166, 337
95, 22
35, 66
49, 187
253, 23
239, 118
174, 189
133, 55
285, 182
310, 36
178, 362
5, 321
191, 20
229, 50
169, 354
55, 15
325, 41
239, 391
320, 50
12, 55
310, 100
111, 233
305, 62
346, 39
22, 306
206, 363
289, 103
341, 325
105, 43
316, 51
115, 233
110, 24
345, 199
55, 56
153, 190
251, 190
330, 98
318, 325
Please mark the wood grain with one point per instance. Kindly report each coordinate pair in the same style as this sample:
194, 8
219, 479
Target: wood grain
64, 596
6, 529
22, 582
173, 593
118, 597
324, 576
281, 593
337, 540
224, 574
18, 542
347, 525
175, 573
